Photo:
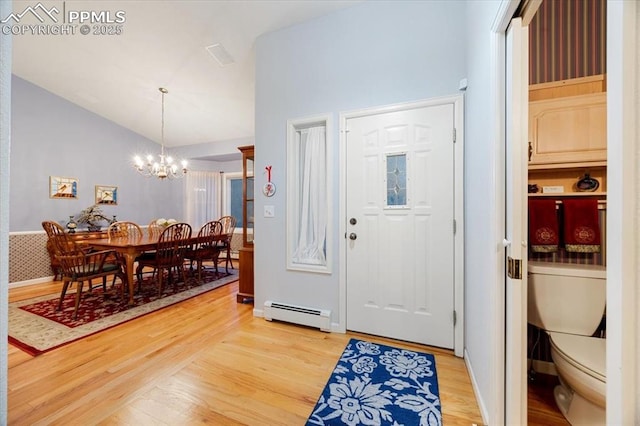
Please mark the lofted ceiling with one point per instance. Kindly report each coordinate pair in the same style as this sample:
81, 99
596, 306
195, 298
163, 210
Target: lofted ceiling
162, 44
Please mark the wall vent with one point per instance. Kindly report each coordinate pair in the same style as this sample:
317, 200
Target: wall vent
311, 317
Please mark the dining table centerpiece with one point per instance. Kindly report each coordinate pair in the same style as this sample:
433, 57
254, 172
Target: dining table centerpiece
165, 222
92, 216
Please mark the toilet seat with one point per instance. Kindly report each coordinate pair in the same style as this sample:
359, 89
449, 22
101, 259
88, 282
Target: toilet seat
588, 354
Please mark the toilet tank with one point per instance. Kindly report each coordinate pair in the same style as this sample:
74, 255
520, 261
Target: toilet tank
566, 298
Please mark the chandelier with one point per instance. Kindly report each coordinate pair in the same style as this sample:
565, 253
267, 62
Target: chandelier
165, 168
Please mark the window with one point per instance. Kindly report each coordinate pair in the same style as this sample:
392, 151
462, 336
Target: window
396, 179
202, 197
232, 183
308, 198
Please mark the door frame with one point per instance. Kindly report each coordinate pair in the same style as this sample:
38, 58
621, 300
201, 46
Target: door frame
504, 15
623, 359
515, 238
458, 209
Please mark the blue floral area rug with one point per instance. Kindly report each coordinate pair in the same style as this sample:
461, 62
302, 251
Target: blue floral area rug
375, 384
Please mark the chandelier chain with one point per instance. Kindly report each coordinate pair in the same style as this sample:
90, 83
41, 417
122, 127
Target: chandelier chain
165, 168
164, 92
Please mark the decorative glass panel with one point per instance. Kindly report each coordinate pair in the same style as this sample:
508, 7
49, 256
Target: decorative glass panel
397, 179
250, 213
236, 200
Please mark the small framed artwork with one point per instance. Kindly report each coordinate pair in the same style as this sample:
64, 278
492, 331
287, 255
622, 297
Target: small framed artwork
106, 194
63, 187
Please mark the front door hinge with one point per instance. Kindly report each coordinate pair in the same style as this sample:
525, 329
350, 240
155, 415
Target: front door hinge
454, 135
455, 318
455, 227
514, 268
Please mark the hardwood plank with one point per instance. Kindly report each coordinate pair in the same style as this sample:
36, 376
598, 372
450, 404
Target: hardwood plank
542, 406
204, 361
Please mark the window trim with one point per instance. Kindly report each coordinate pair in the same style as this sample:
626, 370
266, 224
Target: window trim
293, 199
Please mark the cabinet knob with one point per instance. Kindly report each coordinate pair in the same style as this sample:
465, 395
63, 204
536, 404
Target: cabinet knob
352, 236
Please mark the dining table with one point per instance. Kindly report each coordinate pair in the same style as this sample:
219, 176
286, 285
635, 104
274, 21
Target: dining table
130, 248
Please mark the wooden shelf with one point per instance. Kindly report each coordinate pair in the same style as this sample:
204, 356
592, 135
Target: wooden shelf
569, 166
568, 178
569, 194
570, 87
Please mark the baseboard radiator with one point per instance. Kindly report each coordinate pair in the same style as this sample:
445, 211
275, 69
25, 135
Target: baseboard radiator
311, 317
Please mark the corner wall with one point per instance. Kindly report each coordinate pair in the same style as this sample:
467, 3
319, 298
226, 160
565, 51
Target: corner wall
371, 54
483, 198
5, 149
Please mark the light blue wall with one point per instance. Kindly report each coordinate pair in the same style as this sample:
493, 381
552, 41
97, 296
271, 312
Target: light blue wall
372, 54
51, 136
482, 248
5, 142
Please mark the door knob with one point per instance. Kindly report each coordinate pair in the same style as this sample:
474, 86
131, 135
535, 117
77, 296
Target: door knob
352, 236
353, 221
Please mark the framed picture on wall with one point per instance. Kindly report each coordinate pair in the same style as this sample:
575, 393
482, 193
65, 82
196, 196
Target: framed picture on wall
106, 194
63, 187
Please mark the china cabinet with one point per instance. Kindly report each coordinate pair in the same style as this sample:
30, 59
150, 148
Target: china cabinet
245, 282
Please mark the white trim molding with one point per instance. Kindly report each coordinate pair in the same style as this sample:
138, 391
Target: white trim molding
458, 104
294, 126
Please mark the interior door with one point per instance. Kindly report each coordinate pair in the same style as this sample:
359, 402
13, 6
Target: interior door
516, 222
400, 230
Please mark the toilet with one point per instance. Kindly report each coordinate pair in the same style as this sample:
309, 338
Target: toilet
568, 302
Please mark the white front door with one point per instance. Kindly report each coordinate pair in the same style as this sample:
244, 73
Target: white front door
400, 191
517, 98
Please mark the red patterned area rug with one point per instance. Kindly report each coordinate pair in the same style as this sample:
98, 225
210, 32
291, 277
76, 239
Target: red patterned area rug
35, 325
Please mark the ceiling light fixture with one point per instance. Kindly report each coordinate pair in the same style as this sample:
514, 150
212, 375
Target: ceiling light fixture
165, 168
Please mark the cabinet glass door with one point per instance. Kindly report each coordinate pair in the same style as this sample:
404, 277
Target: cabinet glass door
247, 196
249, 201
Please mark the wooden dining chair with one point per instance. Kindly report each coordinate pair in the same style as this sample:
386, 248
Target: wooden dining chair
228, 226
79, 266
154, 229
205, 248
124, 229
52, 229
168, 254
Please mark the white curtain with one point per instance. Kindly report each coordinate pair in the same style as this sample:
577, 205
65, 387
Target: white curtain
202, 198
312, 222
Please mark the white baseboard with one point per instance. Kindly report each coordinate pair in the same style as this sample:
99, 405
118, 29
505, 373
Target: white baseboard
31, 282
476, 391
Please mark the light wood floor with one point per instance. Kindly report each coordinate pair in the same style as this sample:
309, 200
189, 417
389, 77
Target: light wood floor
204, 361
542, 410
